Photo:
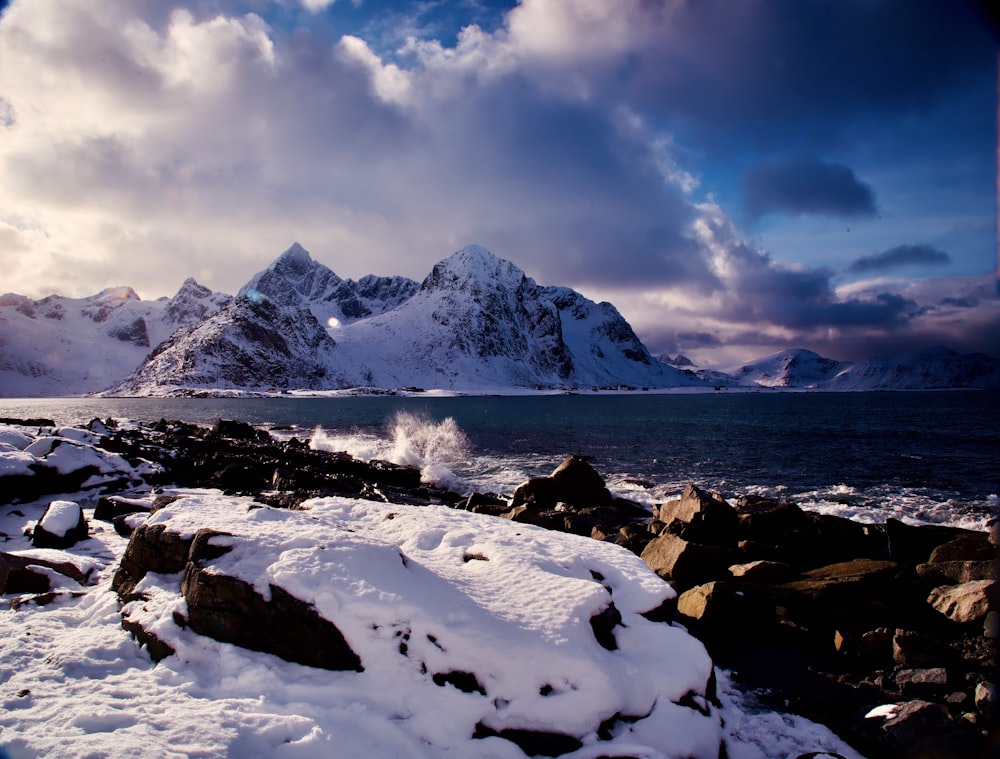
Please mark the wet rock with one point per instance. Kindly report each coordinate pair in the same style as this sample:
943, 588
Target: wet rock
720, 606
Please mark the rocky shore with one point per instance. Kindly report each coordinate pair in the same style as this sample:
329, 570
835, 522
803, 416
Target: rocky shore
886, 633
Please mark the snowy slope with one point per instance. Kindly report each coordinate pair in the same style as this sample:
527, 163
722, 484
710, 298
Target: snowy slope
70, 346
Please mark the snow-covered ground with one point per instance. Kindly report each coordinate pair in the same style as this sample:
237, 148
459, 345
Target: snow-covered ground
505, 602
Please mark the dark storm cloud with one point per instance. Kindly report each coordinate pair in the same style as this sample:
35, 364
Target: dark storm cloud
792, 73
806, 185
901, 255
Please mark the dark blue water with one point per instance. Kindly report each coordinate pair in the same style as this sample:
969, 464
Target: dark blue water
930, 455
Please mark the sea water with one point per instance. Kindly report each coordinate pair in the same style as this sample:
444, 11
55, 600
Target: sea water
917, 456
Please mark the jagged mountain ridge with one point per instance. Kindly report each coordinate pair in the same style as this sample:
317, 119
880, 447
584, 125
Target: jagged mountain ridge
476, 322
71, 346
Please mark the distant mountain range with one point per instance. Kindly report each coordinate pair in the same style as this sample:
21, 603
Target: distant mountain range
475, 324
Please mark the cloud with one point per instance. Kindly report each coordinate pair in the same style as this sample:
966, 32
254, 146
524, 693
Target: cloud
806, 185
901, 255
141, 144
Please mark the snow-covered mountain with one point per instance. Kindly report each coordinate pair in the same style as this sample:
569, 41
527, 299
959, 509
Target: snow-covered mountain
929, 369
795, 367
932, 368
71, 346
477, 322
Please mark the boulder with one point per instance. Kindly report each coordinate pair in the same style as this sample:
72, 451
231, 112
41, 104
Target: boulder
228, 609
26, 574
957, 572
111, 507
968, 602
718, 608
915, 650
923, 729
150, 549
923, 681
705, 517
851, 596
909, 544
974, 546
61, 526
684, 563
574, 482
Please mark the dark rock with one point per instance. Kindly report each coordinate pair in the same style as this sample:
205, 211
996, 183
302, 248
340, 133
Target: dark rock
718, 608
150, 549
574, 482
485, 503
20, 574
110, 508
531, 742
925, 730
156, 648
230, 610
234, 430
918, 651
957, 572
975, 546
849, 596
47, 535
464, 681
923, 681
913, 545
604, 623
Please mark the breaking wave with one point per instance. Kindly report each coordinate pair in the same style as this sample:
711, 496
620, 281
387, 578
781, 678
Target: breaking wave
435, 448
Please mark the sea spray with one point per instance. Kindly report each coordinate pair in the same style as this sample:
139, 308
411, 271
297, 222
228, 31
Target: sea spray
412, 440
433, 447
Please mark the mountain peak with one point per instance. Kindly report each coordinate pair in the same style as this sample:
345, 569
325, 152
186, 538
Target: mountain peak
474, 268
295, 259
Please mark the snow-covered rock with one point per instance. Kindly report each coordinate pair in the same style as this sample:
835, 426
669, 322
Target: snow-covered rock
61, 526
475, 635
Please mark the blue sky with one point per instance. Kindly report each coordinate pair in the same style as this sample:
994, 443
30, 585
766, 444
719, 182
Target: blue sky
737, 176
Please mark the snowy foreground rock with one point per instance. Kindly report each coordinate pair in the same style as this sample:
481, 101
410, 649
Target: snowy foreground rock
339, 625
472, 633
